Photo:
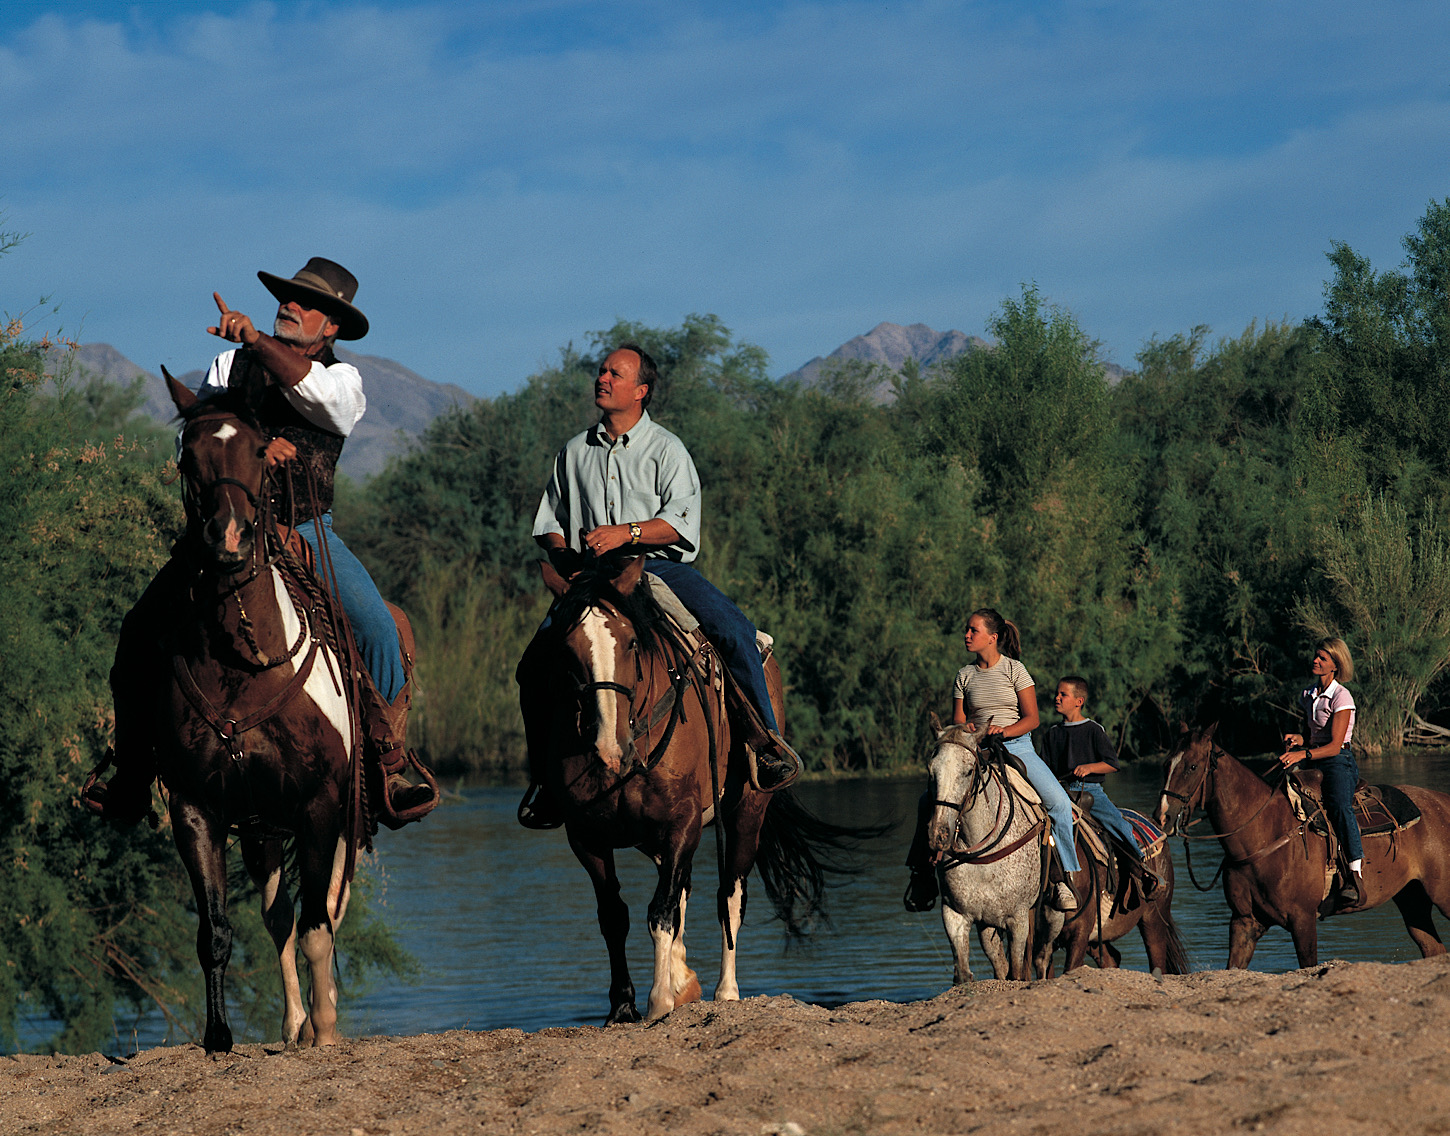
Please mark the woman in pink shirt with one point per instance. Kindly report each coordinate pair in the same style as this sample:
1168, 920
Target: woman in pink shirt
1329, 711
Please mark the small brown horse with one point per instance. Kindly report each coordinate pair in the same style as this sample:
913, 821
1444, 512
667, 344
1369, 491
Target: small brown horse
252, 724
1098, 924
641, 753
1273, 873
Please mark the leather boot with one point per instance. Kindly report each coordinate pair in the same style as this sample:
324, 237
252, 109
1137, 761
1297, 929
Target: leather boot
126, 797
539, 809
383, 730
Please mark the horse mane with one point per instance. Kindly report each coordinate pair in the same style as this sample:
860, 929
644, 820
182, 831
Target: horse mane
960, 735
595, 585
240, 403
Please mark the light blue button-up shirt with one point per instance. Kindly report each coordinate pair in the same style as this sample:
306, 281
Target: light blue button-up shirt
643, 475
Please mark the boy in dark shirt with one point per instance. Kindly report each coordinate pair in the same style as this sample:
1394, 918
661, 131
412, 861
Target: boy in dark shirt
1079, 754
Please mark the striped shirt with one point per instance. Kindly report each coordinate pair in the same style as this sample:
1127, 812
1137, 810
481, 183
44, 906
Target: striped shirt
989, 694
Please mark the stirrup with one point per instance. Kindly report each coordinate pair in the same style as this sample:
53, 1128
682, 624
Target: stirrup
778, 759
921, 892
538, 810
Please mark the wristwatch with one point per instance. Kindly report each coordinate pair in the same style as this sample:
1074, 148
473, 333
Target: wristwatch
634, 531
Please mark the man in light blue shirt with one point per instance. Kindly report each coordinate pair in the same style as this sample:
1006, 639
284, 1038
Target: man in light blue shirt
628, 483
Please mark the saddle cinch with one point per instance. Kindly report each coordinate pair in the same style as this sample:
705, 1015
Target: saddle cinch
697, 642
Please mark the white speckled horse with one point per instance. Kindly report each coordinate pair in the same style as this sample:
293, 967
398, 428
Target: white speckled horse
990, 857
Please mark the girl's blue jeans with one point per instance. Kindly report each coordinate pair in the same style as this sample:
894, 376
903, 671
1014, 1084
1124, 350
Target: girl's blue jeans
1054, 799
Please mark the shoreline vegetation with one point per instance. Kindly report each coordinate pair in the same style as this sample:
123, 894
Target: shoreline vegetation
1179, 536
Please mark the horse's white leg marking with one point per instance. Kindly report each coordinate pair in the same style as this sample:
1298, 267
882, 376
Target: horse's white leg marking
338, 890
292, 1013
728, 990
601, 667
225, 432
680, 973
317, 946
662, 991
319, 685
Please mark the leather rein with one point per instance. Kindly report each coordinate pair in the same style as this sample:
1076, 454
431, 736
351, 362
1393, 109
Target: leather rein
1195, 799
986, 850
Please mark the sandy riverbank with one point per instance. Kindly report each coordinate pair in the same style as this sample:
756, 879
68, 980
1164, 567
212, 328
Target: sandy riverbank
1338, 1048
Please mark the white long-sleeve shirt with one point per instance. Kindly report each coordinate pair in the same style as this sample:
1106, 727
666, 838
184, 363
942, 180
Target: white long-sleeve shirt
331, 398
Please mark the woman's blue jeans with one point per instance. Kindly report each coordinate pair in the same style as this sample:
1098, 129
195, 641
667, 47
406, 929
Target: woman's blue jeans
372, 622
1054, 799
1341, 773
1104, 809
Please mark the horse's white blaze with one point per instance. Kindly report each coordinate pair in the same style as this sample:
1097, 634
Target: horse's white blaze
602, 645
1173, 764
319, 686
225, 431
728, 989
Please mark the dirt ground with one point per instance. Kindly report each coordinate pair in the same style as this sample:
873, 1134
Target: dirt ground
1338, 1048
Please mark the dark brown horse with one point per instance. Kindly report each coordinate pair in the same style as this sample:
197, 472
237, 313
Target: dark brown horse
1274, 870
1099, 922
252, 723
642, 754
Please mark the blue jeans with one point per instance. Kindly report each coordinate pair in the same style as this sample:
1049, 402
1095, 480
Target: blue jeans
372, 622
1054, 799
727, 627
1105, 810
1341, 772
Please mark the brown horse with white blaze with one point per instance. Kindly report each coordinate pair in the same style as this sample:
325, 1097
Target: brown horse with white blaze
251, 719
1274, 870
641, 753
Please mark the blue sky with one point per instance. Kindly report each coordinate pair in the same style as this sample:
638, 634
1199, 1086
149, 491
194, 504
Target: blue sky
506, 178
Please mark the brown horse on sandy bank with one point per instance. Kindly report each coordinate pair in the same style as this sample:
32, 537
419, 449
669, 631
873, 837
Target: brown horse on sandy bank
251, 722
1100, 922
1274, 870
641, 753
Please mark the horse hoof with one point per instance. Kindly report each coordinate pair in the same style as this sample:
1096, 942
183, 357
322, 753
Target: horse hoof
623, 1014
690, 992
218, 1040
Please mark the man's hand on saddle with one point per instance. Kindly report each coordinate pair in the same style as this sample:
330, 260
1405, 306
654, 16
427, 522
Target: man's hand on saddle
235, 327
279, 450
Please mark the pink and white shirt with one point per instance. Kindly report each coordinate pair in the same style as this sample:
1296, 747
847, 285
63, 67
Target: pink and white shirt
1319, 708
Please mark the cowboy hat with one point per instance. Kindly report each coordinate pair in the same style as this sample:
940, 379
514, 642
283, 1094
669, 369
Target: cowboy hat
324, 286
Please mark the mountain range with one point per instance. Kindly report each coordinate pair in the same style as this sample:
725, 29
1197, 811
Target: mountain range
891, 345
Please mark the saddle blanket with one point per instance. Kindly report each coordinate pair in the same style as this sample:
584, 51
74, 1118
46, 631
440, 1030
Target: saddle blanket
1379, 809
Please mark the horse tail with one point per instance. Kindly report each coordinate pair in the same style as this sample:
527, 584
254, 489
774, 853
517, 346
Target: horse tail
1177, 954
797, 855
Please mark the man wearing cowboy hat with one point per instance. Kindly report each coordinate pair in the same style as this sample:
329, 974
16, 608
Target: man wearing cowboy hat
312, 402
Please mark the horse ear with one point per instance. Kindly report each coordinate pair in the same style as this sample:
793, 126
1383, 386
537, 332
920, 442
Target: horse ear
1210, 731
1182, 726
935, 723
181, 395
552, 580
626, 582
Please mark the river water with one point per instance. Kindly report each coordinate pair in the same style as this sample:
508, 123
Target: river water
503, 919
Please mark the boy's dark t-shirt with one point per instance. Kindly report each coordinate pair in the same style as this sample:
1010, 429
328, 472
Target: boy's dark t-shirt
1069, 745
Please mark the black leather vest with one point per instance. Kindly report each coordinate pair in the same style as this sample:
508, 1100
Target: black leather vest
317, 449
